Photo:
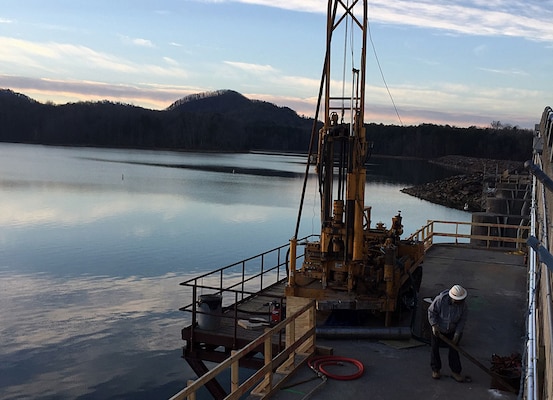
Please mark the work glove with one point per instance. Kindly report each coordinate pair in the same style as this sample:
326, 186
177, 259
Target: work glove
456, 338
435, 330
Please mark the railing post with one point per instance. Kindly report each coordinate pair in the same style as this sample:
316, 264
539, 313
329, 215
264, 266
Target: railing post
292, 336
235, 334
243, 277
268, 354
234, 373
278, 265
194, 316
262, 269
456, 233
191, 396
292, 261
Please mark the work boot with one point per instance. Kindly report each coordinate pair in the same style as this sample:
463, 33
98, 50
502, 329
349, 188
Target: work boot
458, 377
435, 374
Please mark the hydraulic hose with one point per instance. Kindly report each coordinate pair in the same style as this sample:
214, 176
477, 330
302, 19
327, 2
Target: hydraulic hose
319, 364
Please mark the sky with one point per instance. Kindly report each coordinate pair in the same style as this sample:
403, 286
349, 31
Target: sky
455, 62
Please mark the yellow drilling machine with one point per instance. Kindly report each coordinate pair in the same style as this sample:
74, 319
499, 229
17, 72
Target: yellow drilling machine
352, 265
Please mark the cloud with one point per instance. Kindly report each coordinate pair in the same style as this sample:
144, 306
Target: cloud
530, 19
248, 67
142, 42
56, 58
59, 91
170, 61
37, 55
316, 6
136, 41
513, 72
466, 18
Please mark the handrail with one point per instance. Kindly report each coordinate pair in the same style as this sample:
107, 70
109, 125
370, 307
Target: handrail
530, 378
234, 277
429, 232
284, 359
537, 379
241, 281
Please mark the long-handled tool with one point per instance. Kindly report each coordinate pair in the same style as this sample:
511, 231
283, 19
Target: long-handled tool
494, 375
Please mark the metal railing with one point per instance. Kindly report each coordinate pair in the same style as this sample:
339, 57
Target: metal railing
299, 346
489, 234
538, 378
239, 281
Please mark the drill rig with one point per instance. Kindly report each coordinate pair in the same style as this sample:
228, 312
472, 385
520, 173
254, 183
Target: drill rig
352, 265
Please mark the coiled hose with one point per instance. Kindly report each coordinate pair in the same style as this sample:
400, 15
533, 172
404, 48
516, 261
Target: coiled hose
319, 364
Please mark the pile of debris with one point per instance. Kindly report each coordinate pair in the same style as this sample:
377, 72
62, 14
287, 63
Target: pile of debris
509, 368
462, 192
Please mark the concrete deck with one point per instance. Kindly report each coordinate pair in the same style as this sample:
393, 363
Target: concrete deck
496, 284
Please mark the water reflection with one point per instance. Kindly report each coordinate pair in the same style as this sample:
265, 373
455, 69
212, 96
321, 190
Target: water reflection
404, 171
64, 337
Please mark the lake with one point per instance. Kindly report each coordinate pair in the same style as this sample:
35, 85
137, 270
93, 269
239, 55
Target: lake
94, 244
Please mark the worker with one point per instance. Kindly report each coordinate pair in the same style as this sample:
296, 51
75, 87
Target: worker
447, 315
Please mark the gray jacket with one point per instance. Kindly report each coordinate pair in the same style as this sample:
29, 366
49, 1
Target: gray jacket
449, 316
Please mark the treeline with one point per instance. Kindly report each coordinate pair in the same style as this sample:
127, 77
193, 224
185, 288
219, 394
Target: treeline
251, 125
228, 121
432, 141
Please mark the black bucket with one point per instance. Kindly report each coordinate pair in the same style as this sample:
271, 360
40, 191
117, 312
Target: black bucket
209, 311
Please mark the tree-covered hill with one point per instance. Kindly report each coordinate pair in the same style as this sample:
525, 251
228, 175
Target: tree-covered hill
228, 121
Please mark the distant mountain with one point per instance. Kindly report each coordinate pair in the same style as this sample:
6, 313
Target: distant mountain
221, 101
226, 120
8, 96
223, 121
232, 103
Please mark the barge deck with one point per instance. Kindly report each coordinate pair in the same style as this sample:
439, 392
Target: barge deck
496, 283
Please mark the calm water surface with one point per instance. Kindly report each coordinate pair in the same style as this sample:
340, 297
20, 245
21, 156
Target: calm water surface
93, 245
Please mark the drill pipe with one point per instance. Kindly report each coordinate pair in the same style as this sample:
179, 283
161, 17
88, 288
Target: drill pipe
361, 332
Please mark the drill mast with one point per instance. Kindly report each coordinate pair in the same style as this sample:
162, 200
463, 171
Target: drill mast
352, 265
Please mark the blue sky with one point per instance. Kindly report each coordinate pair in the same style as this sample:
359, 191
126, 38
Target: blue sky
453, 62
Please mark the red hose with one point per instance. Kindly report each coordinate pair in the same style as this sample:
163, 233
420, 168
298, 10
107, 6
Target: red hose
319, 364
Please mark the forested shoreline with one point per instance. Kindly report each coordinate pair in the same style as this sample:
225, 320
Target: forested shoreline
227, 121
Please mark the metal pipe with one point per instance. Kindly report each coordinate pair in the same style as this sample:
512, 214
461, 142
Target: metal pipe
356, 332
538, 173
543, 254
547, 276
549, 311
530, 376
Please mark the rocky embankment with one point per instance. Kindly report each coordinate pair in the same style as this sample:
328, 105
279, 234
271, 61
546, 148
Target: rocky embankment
463, 191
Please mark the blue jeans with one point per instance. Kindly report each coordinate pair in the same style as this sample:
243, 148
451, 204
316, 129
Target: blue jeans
453, 355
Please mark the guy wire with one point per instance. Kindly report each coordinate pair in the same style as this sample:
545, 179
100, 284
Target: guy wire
382, 73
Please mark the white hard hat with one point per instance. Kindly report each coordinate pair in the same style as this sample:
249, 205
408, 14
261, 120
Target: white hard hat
457, 292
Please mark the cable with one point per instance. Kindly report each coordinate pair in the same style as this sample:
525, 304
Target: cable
319, 364
344, 65
382, 73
